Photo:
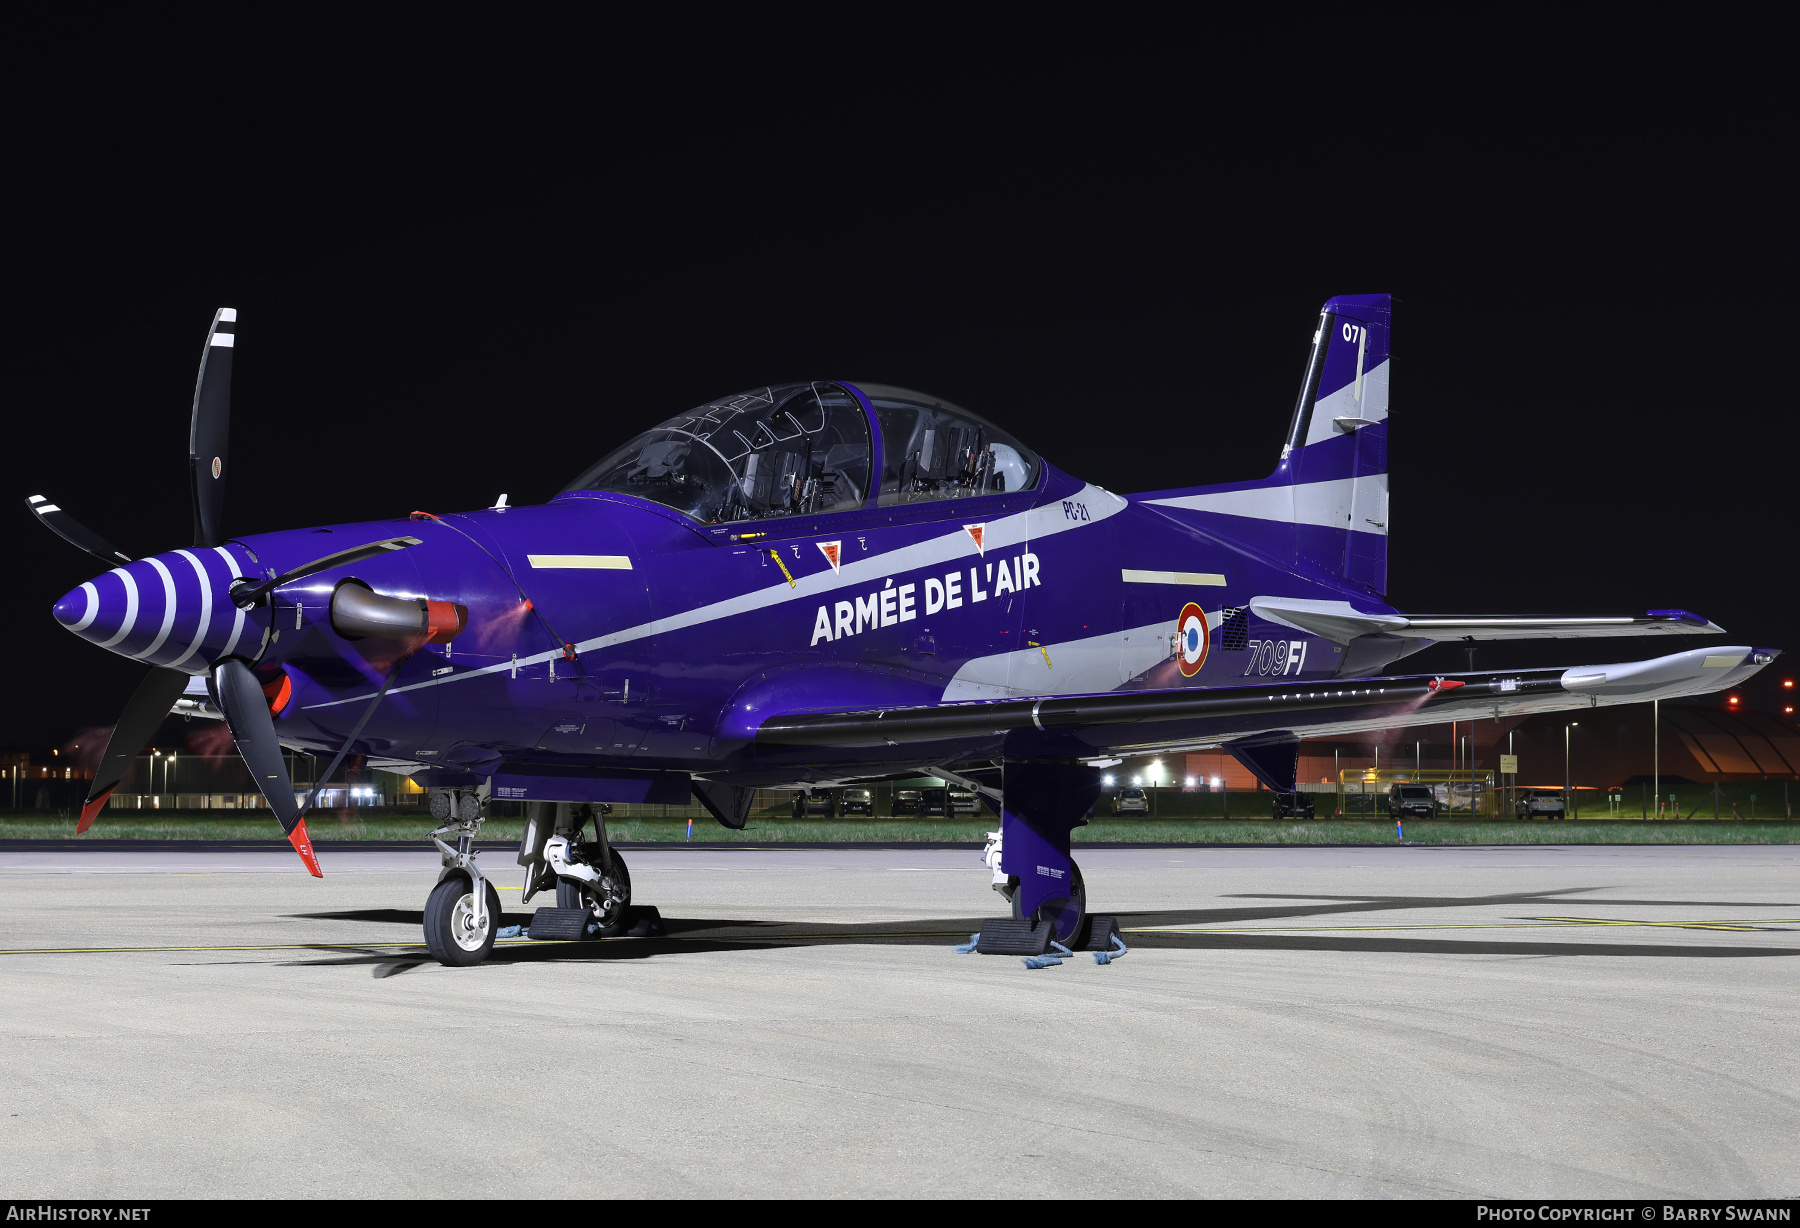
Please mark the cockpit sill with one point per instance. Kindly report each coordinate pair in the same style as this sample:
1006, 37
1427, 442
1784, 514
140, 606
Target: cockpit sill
755, 533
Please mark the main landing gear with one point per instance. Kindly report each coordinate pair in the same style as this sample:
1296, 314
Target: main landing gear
1042, 803
589, 875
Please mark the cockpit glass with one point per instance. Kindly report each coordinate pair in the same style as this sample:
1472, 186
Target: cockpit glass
932, 449
783, 450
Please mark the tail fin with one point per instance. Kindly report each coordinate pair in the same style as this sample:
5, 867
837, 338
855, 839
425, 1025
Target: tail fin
1326, 505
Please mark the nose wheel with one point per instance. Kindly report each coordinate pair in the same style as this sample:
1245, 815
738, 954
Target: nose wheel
456, 932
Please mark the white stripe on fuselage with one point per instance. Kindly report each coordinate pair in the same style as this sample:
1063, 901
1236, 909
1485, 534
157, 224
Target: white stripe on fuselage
1324, 504
1014, 530
1072, 667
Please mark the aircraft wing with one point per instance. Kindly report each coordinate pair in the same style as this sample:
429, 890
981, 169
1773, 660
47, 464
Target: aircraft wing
1341, 622
1194, 718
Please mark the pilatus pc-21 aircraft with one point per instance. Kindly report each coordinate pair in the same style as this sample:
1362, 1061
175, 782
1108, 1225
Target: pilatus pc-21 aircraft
807, 584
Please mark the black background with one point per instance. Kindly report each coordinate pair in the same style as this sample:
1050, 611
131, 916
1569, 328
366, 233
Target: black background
476, 266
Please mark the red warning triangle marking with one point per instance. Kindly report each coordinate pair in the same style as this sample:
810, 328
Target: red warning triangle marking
833, 553
976, 531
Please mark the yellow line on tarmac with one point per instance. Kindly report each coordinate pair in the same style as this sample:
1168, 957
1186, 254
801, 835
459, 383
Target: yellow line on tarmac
1681, 925
1542, 923
1310, 929
505, 942
298, 946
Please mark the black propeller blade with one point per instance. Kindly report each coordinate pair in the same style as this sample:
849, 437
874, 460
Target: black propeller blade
240, 697
144, 712
247, 595
74, 532
210, 429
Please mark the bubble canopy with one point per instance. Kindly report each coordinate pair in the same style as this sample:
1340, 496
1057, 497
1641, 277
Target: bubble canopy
804, 448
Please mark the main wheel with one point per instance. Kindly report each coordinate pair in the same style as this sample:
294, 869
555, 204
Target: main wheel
1066, 913
452, 934
618, 897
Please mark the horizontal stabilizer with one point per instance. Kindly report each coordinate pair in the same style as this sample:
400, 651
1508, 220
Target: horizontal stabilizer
1341, 622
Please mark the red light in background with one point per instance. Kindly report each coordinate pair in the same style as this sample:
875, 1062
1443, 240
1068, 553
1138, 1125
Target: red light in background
1789, 710
1732, 700
1788, 683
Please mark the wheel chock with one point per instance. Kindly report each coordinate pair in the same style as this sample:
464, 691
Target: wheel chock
557, 924
639, 921
1098, 935
1119, 950
1005, 936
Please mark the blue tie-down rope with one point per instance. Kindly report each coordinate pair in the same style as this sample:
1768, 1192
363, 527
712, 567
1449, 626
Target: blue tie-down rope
965, 948
1107, 957
1045, 961
510, 931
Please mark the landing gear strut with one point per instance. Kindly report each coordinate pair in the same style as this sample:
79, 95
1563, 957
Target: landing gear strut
463, 910
587, 874
1042, 803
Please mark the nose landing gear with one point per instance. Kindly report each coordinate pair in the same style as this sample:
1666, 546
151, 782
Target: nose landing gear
462, 913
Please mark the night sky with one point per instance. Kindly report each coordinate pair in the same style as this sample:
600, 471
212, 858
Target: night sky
455, 284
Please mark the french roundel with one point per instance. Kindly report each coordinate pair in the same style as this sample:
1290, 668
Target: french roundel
1194, 639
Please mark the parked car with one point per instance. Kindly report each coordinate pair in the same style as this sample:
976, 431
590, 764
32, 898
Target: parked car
1412, 802
907, 801
1540, 804
1131, 801
1293, 806
857, 801
814, 803
962, 801
932, 801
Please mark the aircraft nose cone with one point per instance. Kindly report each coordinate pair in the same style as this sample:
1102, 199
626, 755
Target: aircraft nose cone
76, 608
171, 610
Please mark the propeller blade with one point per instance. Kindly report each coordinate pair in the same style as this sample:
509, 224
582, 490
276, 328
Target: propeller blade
144, 713
74, 532
209, 431
240, 697
248, 595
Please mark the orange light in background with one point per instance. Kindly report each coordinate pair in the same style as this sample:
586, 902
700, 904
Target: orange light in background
1788, 683
1732, 700
1789, 710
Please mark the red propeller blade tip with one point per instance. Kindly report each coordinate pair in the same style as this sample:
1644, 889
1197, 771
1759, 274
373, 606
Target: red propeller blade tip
91, 811
303, 845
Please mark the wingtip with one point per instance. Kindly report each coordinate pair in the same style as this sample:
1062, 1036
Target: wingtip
91, 811
303, 845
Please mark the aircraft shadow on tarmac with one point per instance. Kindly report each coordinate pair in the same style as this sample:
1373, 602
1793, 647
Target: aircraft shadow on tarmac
1143, 929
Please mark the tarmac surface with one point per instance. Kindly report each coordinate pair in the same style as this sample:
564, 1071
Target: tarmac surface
1524, 1021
